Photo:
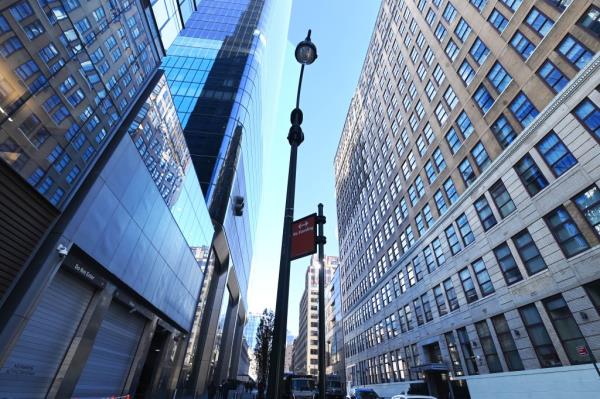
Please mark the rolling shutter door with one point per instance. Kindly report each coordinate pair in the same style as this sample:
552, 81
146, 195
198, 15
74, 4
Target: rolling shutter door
115, 346
33, 362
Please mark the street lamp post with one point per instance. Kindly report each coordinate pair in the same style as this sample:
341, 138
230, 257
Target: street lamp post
306, 54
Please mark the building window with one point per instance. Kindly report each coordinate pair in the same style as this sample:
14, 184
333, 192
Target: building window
464, 125
479, 4
430, 171
440, 32
483, 98
575, 52
10, 45
486, 216
553, 76
589, 115
539, 337
565, 231
438, 158
531, 176
591, 20
522, 44
440, 301
512, 4
593, 291
498, 20
528, 252
440, 202
503, 131
466, 72
480, 155
468, 286
450, 97
441, 114
453, 140
449, 13
453, 241
426, 307
21, 10
418, 311
451, 50
502, 199
507, 343
409, 318
523, 110
488, 347
450, 190
507, 264
465, 230
451, 295
588, 204
462, 30
454, 356
430, 90
467, 172
539, 22
483, 277
438, 74
567, 329
498, 77
467, 350
479, 51
429, 259
437, 251
27, 69
556, 155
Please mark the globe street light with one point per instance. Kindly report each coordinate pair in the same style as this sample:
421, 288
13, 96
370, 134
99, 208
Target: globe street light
306, 54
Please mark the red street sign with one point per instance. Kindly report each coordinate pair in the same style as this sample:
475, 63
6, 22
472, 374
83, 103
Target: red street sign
304, 237
582, 351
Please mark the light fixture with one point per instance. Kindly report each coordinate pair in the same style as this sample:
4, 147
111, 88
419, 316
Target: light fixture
306, 51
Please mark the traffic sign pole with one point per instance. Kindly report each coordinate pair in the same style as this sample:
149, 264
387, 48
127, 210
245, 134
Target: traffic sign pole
321, 243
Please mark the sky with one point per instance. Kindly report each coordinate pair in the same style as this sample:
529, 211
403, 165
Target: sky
341, 30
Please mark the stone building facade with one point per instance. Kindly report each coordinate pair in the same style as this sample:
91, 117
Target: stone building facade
467, 185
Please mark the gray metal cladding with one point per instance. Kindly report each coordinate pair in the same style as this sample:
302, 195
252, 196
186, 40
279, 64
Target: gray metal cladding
33, 362
23, 223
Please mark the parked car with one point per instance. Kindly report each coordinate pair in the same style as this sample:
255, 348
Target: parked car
364, 393
407, 396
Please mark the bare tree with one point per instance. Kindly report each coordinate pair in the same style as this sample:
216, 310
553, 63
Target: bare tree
262, 350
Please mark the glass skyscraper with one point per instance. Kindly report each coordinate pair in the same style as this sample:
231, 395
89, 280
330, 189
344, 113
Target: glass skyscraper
216, 68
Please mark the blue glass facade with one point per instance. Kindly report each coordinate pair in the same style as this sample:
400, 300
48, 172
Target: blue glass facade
215, 69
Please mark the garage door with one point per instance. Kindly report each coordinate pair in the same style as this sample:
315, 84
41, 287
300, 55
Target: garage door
112, 355
32, 365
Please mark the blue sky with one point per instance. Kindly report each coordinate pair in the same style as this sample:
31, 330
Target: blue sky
341, 31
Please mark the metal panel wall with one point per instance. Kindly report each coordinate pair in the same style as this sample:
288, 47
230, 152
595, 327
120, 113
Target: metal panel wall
33, 363
112, 355
24, 220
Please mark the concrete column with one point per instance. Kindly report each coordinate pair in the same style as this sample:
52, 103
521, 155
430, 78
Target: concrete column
141, 355
237, 348
227, 342
207, 333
